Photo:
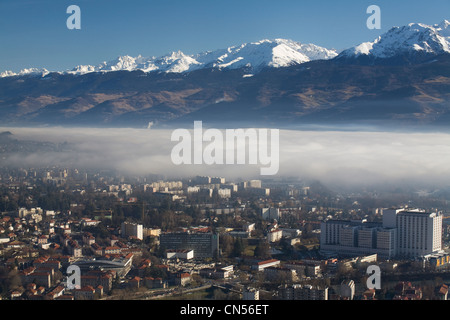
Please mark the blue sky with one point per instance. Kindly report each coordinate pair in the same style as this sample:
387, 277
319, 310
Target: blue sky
33, 33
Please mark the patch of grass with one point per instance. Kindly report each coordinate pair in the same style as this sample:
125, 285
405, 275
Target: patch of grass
249, 251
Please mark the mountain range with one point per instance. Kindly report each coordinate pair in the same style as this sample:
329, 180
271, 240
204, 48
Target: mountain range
256, 56
401, 78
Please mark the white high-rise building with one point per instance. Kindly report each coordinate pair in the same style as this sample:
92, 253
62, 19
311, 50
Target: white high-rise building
270, 213
390, 217
419, 233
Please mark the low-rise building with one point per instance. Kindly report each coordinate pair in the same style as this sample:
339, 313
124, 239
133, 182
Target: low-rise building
274, 236
182, 279
55, 293
111, 250
261, 265
216, 273
135, 282
250, 294
97, 278
84, 293
153, 283
180, 254
96, 249
279, 273
302, 292
407, 291
88, 239
347, 289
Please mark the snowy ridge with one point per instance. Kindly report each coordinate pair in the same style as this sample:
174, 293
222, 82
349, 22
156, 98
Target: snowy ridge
410, 39
256, 56
30, 71
265, 53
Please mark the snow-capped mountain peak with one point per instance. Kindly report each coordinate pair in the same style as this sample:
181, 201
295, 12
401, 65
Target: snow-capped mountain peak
414, 38
256, 56
265, 53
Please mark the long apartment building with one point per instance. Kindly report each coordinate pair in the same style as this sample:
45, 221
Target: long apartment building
403, 233
302, 292
357, 238
204, 244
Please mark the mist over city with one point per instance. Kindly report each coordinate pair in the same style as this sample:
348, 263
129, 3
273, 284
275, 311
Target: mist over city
336, 158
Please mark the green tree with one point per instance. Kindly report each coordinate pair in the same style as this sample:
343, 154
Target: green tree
262, 250
238, 247
156, 272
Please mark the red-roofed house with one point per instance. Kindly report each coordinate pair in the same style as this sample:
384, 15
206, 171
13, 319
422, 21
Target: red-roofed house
135, 282
88, 239
55, 293
154, 283
183, 278
97, 249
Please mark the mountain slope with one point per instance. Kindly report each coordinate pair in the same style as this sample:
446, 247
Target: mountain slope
317, 92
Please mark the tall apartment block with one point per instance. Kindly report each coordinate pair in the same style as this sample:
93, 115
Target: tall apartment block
419, 233
129, 229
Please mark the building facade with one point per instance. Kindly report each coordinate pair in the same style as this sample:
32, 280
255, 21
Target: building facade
132, 230
204, 244
419, 233
403, 233
299, 292
357, 238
